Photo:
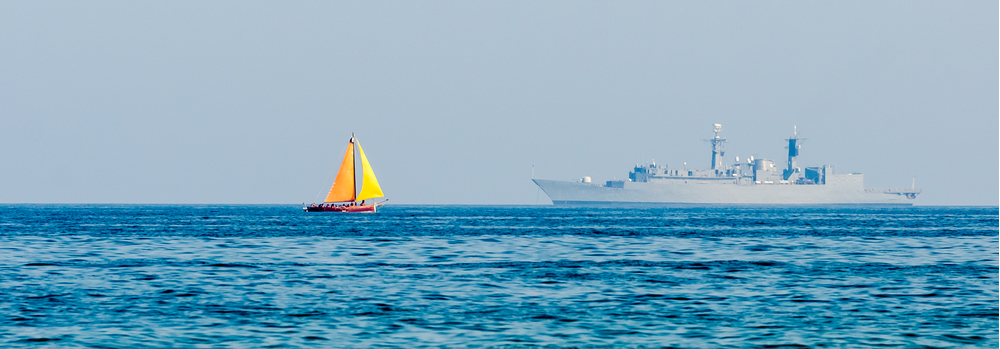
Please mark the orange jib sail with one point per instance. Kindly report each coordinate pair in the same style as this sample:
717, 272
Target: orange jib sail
343, 187
369, 185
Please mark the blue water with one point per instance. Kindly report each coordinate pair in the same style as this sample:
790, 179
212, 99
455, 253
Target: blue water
118, 276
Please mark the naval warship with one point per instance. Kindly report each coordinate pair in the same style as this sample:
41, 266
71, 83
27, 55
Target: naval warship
753, 182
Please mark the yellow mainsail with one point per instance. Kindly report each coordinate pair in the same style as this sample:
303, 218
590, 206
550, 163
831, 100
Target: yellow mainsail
369, 184
344, 187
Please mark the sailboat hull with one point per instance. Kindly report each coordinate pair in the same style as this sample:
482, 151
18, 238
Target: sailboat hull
349, 209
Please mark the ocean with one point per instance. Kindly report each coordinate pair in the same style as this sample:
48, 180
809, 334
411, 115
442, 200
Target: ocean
207, 276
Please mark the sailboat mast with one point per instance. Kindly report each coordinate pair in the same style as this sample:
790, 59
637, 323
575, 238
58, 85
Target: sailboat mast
354, 169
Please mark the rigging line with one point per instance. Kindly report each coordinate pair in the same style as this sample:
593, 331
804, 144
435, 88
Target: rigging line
539, 188
317, 196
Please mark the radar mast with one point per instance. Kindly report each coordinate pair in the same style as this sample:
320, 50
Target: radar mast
793, 151
717, 152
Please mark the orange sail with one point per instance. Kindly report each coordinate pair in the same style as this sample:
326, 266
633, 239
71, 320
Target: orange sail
369, 185
343, 187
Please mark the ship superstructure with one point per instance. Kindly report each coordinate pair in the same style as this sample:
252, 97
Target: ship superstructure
752, 181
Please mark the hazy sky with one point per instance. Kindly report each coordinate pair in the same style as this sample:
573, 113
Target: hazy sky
454, 102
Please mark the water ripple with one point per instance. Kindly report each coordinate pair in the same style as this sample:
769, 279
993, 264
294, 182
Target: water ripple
257, 276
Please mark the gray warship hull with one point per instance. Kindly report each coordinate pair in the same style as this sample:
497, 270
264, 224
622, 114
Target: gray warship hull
848, 191
755, 182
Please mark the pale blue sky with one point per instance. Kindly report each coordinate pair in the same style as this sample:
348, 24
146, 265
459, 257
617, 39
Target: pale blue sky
252, 102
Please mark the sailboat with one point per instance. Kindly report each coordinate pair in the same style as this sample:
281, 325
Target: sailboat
343, 196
